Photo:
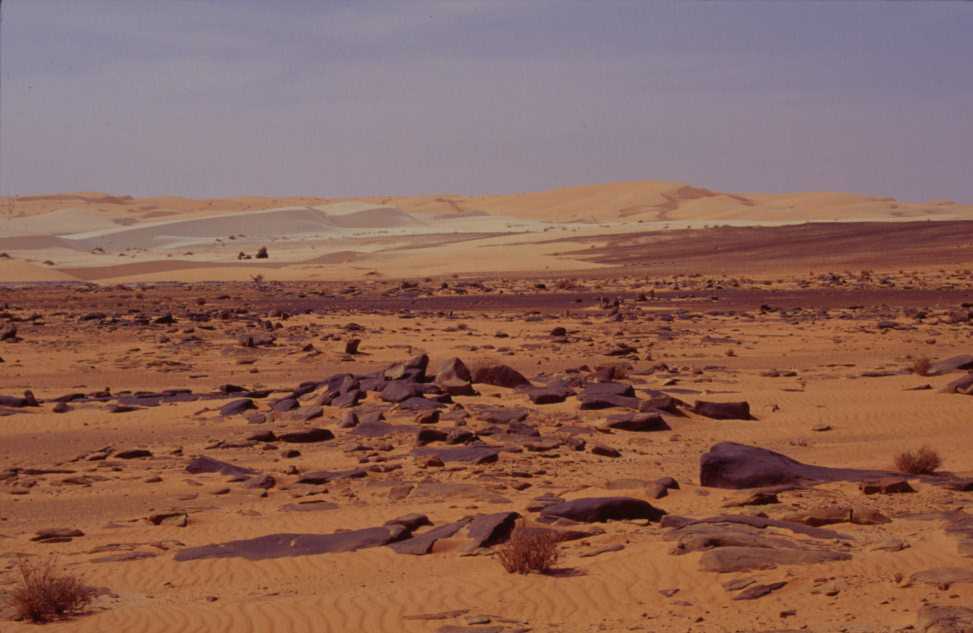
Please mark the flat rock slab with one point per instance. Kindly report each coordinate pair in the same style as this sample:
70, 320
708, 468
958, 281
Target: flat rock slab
381, 429
286, 545
236, 407
756, 522
490, 529
759, 591
204, 464
600, 509
738, 466
318, 477
944, 577
637, 422
501, 415
723, 410
551, 394
309, 506
422, 544
465, 454
944, 619
948, 365
306, 436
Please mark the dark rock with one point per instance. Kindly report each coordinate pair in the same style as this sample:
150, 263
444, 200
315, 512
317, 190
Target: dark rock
605, 451
944, 619
261, 482
732, 465
735, 559
723, 410
428, 417
600, 509
489, 529
56, 535
399, 391
135, 453
282, 406
236, 407
427, 436
963, 385
886, 486
412, 522
15, 402
306, 436
381, 429
178, 519
465, 454
501, 415
347, 399
419, 404
285, 545
637, 422
758, 591
204, 464
963, 362
319, 477
422, 544
550, 394
605, 395
500, 376
309, 506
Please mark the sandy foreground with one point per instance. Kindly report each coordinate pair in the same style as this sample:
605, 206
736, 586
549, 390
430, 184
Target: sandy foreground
204, 441
823, 363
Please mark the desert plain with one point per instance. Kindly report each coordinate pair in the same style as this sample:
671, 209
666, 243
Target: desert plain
698, 396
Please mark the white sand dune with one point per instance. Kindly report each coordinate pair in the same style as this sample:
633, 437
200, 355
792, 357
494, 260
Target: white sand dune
248, 226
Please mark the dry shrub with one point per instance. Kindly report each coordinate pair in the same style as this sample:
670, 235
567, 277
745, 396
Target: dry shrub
921, 366
529, 550
923, 461
45, 595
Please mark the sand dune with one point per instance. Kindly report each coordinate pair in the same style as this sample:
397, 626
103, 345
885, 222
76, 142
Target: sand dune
246, 226
618, 201
12, 270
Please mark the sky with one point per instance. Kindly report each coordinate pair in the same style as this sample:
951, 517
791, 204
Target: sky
304, 97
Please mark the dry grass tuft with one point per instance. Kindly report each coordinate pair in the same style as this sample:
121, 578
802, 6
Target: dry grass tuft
44, 595
921, 366
923, 461
529, 550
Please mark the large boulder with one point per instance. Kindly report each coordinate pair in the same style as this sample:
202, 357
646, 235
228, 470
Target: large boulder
737, 466
500, 376
600, 509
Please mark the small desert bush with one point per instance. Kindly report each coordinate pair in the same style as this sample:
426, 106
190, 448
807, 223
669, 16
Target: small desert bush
529, 550
923, 461
921, 366
44, 594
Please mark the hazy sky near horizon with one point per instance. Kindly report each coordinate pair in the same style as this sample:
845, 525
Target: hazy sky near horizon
301, 97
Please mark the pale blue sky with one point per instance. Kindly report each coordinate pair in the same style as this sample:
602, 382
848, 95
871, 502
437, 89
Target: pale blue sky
224, 97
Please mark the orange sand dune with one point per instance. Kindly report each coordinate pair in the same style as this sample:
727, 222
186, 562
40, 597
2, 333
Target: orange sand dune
12, 270
618, 201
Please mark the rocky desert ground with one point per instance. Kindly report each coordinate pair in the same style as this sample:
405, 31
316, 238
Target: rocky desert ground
697, 398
